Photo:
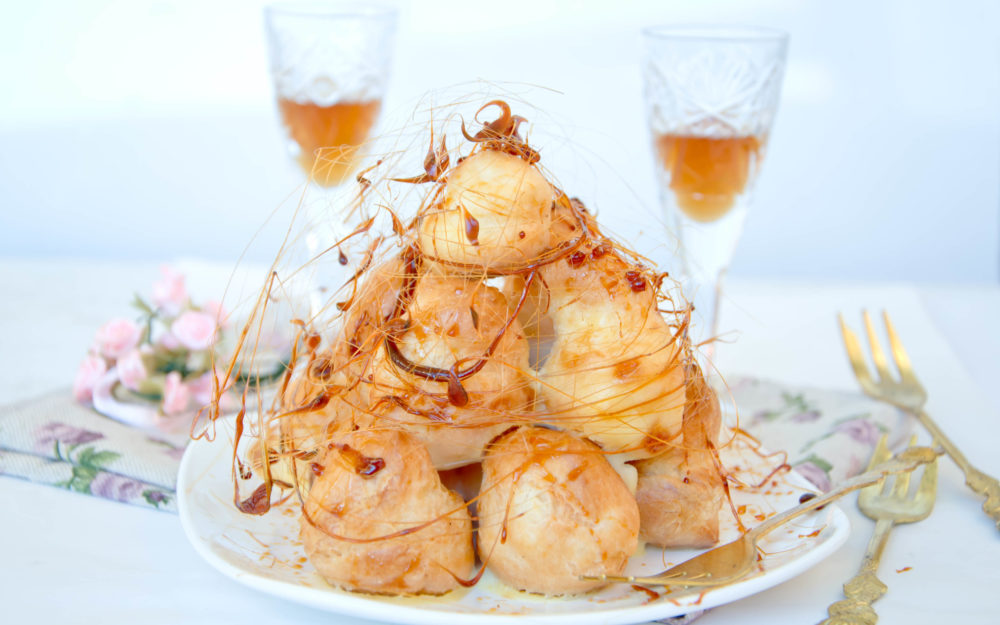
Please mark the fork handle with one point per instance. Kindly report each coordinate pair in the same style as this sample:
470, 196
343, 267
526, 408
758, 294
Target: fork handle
988, 486
865, 588
979, 482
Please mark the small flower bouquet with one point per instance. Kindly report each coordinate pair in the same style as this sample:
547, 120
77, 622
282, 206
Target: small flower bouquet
158, 369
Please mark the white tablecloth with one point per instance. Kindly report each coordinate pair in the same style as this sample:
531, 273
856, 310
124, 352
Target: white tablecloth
71, 558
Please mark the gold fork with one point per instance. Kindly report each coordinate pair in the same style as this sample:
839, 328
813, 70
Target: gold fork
728, 563
887, 507
908, 394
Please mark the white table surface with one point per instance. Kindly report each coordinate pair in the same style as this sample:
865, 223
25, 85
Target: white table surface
65, 557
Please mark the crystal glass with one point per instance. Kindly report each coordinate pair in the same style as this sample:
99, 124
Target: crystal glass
330, 65
711, 93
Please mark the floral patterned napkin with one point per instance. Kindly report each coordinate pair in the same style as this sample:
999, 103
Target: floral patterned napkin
55, 440
829, 436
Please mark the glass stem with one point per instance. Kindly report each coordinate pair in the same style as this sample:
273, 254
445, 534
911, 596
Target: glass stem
324, 227
705, 293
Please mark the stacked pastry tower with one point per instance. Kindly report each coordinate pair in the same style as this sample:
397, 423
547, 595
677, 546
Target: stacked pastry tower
506, 382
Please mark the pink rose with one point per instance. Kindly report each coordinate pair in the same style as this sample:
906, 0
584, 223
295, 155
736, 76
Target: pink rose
815, 474
860, 430
90, 371
169, 293
55, 432
116, 487
176, 395
217, 312
168, 341
202, 388
194, 330
131, 370
116, 337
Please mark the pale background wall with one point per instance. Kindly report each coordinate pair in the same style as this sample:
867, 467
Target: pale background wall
145, 129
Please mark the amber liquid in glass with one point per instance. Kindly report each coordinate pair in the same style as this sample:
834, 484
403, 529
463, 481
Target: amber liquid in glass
329, 137
708, 173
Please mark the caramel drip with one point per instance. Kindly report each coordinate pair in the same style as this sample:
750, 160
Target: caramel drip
361, 464
471, 227
258, 503
457, 394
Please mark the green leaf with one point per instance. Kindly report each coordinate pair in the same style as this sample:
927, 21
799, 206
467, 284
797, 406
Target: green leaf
84, 456
154, 386
173, 360
91, 458
102, 458
862, 416
770, 415
143, 307
819, 462
809, 445
155, 497
796, 402
82, 477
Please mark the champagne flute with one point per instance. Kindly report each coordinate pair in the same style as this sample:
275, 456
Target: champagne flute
711, 94
329, 64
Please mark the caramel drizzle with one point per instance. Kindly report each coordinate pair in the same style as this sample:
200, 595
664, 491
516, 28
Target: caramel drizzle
435, 164
395, 325
561, 250
502, 134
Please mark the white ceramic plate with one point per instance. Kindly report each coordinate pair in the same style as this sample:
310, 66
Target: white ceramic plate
265, 553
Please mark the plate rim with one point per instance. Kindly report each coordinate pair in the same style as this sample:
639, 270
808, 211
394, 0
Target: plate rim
340, 601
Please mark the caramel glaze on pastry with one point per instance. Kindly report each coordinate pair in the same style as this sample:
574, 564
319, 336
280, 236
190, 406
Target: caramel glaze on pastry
377, 518
552, 509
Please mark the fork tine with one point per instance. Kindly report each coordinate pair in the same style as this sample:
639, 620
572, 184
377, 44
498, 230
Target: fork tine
880, 455
902, 485
899, 354
927, 489
855, 355
878, 356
